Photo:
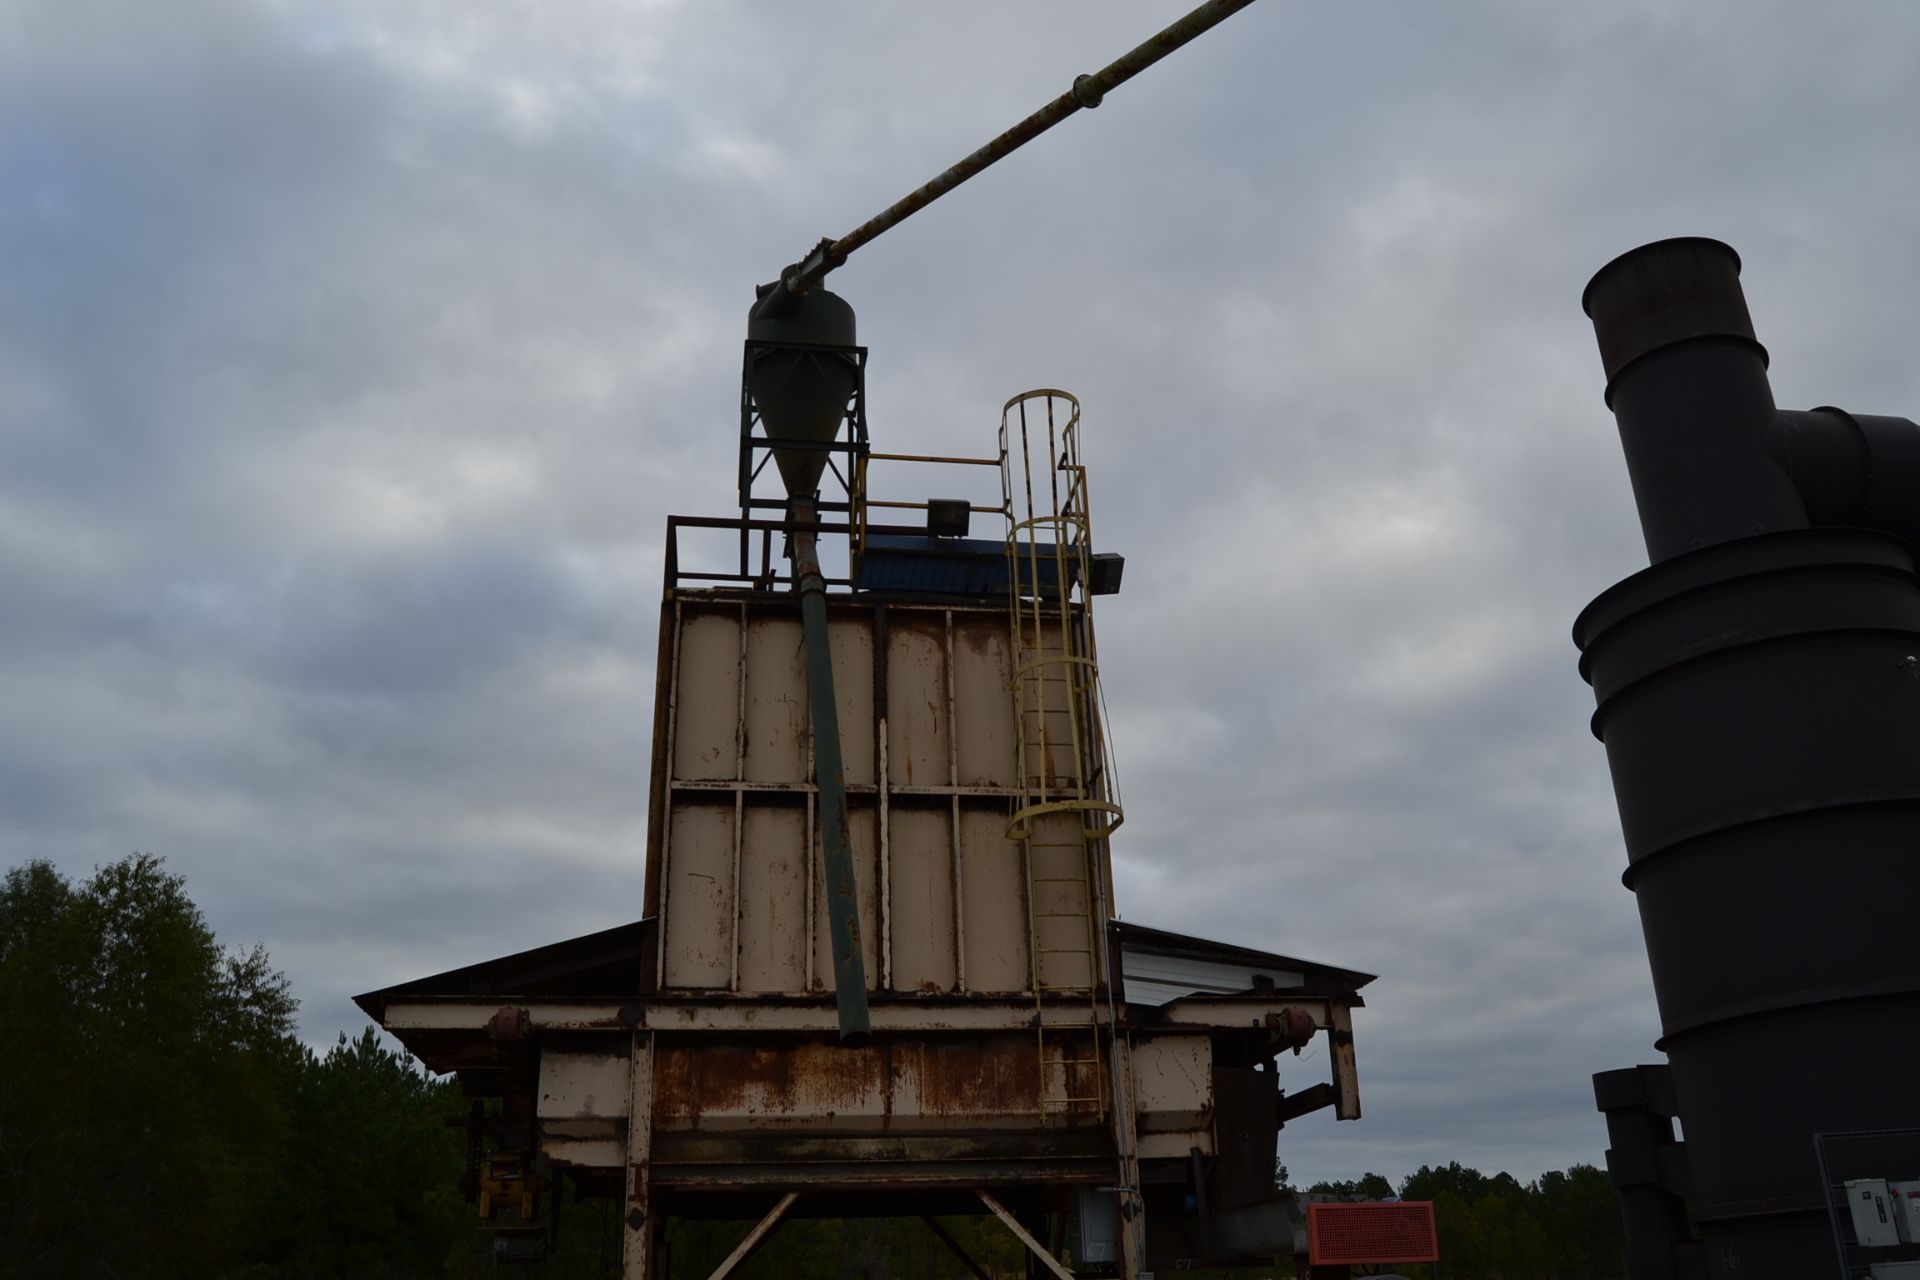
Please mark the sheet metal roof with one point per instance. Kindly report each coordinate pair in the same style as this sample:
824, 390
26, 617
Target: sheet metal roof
608, 965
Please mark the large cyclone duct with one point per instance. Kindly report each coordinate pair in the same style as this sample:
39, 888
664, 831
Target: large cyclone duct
1758, 692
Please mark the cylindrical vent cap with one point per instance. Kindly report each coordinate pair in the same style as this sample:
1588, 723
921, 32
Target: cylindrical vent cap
1667, 292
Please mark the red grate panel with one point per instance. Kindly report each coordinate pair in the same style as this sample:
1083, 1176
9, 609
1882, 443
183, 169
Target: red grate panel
1338, 1234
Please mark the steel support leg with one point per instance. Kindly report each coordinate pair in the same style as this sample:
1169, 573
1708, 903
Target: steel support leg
1132, 1210
639, 1254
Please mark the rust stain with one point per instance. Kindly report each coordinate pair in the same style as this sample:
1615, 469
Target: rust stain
993, 1077
802, 1080
980, 641
814, 1084
673, 1091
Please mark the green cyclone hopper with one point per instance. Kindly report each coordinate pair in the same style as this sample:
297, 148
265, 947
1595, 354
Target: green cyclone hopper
800, 377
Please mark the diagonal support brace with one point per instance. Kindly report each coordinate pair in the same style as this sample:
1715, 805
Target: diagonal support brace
959, 1251
1026, 1237
755, 1238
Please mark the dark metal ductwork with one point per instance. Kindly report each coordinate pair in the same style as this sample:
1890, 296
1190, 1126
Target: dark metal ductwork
1759, 697
1688, 384
1854, 471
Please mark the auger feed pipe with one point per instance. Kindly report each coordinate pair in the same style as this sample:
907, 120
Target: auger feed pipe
1087, 92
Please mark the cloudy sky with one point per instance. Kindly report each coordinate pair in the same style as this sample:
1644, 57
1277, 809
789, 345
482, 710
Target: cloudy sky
352, 356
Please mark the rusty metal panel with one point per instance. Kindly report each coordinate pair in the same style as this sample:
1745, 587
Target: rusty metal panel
700, 898
777, 727
850, 636
974, 1079
1047, 726
1173, 1082
582, 1085
918, 718
863, 830
944, 896
1063, 942
707, 695
920, 891
908, 1085
1073, 1078
983, 717
735, 1084
993, 903
773, 899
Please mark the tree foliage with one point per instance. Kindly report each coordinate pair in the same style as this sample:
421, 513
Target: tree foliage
1565, 1226
369, 1169
158, 1118
141, 1073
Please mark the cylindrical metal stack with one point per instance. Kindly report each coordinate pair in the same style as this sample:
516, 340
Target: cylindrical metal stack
1759, 698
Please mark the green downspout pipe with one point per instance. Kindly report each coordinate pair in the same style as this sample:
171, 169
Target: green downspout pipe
843, 901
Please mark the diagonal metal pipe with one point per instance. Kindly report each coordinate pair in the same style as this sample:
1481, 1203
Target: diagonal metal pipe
836, 846
1087, 92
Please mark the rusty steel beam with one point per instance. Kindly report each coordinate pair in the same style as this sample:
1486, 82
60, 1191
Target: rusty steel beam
1346, 1076
1087, 92
917, 1175
734, 1014
1197, 1011
954, 1013
639, 1232
1303, 1101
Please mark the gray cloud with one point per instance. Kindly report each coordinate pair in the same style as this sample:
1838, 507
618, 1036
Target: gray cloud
350, 360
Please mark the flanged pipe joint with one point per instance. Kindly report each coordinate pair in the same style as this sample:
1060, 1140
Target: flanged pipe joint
1758, 694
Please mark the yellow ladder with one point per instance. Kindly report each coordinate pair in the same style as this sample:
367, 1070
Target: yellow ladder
1065, 807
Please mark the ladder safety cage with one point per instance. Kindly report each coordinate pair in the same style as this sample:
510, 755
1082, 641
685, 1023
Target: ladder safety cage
1068, 802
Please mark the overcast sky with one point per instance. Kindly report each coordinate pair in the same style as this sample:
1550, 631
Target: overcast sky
352, 356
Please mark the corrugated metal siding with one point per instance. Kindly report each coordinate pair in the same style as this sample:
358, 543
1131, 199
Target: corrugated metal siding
943, 892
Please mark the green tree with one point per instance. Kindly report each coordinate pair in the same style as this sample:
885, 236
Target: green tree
368, 1175
1371, 1186
1426, 1183
141, 1077
1581, 1214
1565, 1226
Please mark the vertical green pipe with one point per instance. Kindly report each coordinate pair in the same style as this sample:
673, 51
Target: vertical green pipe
843, 901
